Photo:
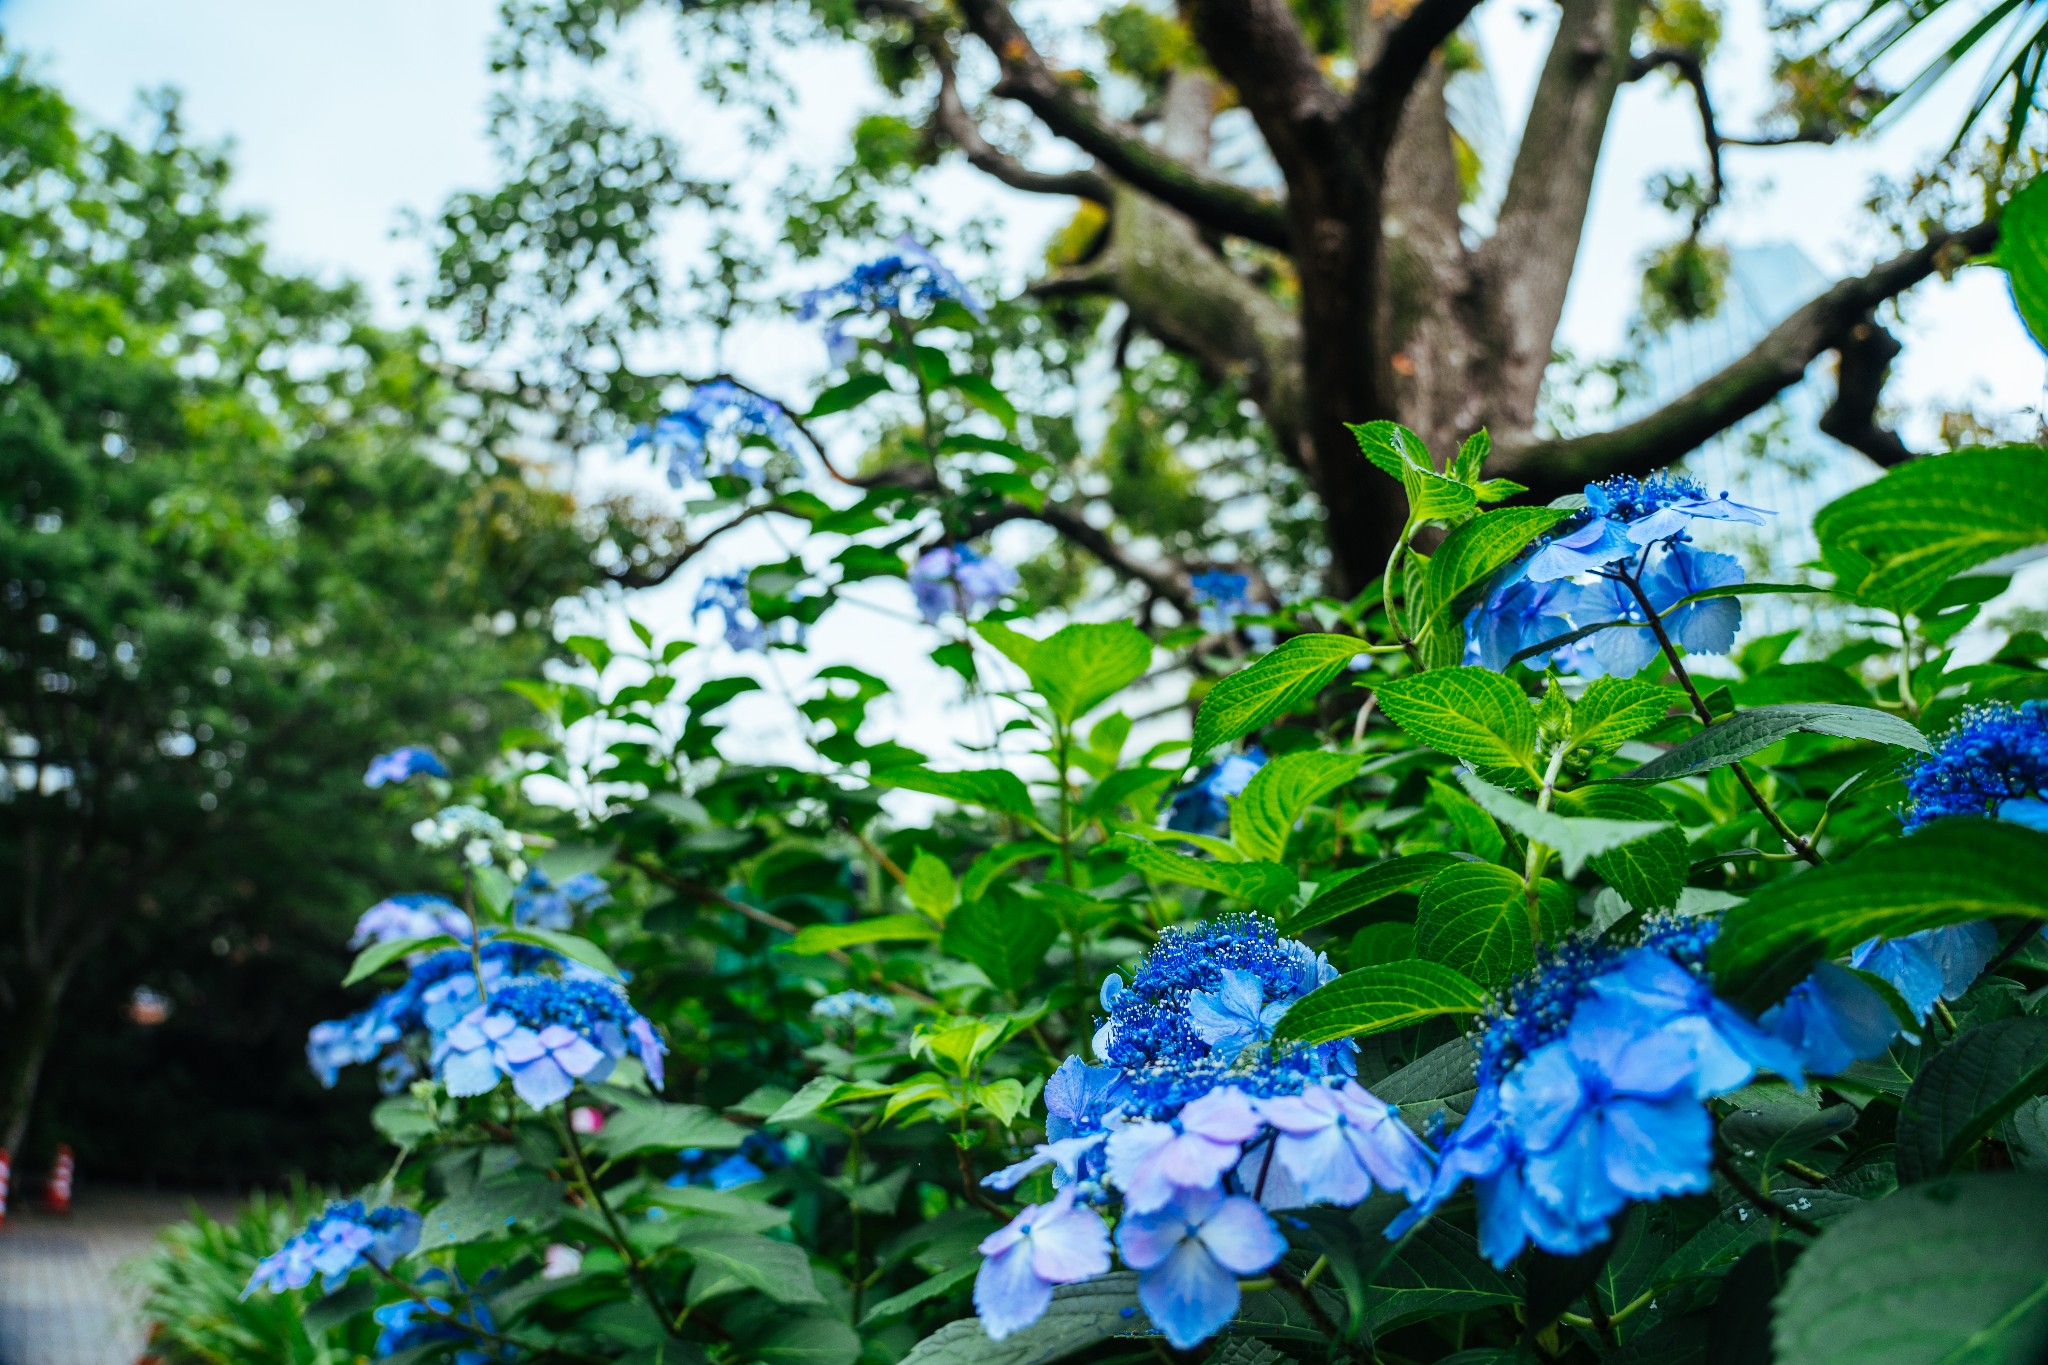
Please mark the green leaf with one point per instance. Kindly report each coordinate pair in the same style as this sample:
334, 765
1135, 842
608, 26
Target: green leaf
1466, 559
489, 1208
1281, 682
403, 1121
940, 1286
1930, 519
493, 892
1081, 1316
1745, 732
2023, 252
1390, 446
1268, 886
1432, 497
1471, 457
1650, 871
575, 947
1475, 828
1123, 785
1616, 710
990, 788
1437, 1270
1374, 999
1952, 1271
641, 1125
1574, 839
847, 394
1007, 937
987, 397
1966, 1089
807, 1339
983, 871
778, 1269
1951, 872
1474, 917
1263, 816
1357, 890
1077, 667
1470, 713
818, 1093
378, 956
930, 886
815, 939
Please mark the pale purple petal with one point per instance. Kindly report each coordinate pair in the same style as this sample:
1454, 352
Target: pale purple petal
1188, 1296
1241, 1236
1008, 1294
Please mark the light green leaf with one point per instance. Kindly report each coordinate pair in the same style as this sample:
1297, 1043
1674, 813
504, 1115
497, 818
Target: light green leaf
1263, 816
564, 861
1466, 559
930, 886
646, 1126
378, 956
1470, 713
1616, 710
1356, 890
818, 1093
1475, 918
2023, 251
1896, 541
1954, 1271
494, 892
1951, 872
1283, 681
1077, 667
990, 788
1471, 457
575, 947
1475, 828
983, 871
1432, 497
1966, 1089
1573, 839
1007, 938
1374, 999
1266, 886
815, 939
1081, 1315
1390, 446
1745, 732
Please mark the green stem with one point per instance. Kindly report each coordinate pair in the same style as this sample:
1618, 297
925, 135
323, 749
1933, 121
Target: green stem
636, 1270
537, 1351
1906, 698
1539, 856
476, 937
853, 1212
1395, 563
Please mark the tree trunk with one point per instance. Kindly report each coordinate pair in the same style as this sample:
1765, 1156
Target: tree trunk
27, 1051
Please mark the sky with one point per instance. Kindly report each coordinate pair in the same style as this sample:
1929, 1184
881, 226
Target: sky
345, 118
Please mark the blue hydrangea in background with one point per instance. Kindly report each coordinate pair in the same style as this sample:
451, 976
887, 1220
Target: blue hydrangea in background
413, 760
909, 282
853, 1005
726, 595
758, 1154
410, 914
720, 428
341, 1240
412, 1324
1222, 597
1203, 806
439, 989
952, 578
539, 902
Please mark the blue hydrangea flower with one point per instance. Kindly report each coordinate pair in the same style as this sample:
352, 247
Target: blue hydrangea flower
952, 578
757, 1155
1150, 1159
726, 594
545, 1034
410, 1324
400, 764
1220, 598
720, 429
1833, 1019
1063, 1242
1518, 613
409, 915
537, 901
342, 1239
440, 989
910, 282
1339, 1143
1992, 762
1702, 627
1728, 1047
1594, 544
1079, 1098
1236, 1016
853, 1005
1189, 1255
1203, 806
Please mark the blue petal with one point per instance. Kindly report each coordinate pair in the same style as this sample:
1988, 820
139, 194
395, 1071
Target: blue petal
1188, 1296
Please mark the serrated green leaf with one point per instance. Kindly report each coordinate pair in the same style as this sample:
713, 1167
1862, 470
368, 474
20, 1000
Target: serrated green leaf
1080, 1316
1432, 497
1389, 995
1574, 839
990, 788
1471, 457
1007, 938
779, 1270
640, 1125
1616, 710
1390, 446
1930, 519
1467, 558
1077, 667
1650, 871
1470, 713
1263, 816
490, 1208
816, 939
930, 886
1948, 873
1283, 681
1474, 917
1357, 890
378, 956
1952, 1271
1966, 1089
1745, 732
1268, 886
1481, 836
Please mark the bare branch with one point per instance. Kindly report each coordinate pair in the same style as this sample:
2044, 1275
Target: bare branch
950, 117
1865, 353
1686, 64
661, 570
1780, 360
1166, 582
1383, 87
1121, 148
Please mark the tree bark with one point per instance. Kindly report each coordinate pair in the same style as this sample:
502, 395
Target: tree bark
37, 1018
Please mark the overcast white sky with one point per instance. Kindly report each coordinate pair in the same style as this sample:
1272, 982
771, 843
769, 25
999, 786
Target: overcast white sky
344, 116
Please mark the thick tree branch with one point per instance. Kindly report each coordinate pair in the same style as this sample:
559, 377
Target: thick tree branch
1383, 87
1865, 354
1121, 148
1780, 360
950, 118
1259, 47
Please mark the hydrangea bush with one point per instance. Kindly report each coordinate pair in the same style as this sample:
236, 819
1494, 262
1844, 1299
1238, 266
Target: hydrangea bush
1519, 962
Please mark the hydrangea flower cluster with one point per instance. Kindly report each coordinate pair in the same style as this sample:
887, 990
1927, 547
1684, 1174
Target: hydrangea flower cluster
1203, 805
1630, 532
726, 594
717, 430
343, 1238
545, 1033
410, 1325
853, 1005
1221, 597
1200, 1123
413, 760
1594, 1071
440, 989
411, 914
480, 835
757, 1155
955, 578
539, 902
1992, 762
910, 281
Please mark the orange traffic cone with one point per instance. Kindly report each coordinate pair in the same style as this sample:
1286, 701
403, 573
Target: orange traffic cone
57, 1193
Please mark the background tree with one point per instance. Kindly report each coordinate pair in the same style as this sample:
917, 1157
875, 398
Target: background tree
241, 553
1312, 268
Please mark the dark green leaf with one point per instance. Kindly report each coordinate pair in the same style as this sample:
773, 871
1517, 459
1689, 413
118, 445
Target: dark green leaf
1262, 818
1930, 519
1649, 872
575, 947
780, 1270
1374, 999
1356, 890
848, 393
1081, 1315
1007, 937
648, 1126
1745, 732
1474, 917
489, 1208
1470, 713
1965, 1090
1573, 838
378, 956
1264, 885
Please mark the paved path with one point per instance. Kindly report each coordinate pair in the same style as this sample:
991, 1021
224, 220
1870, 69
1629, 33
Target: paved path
60, 1300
